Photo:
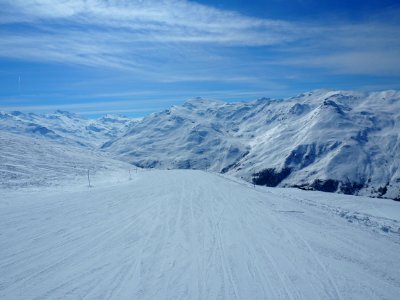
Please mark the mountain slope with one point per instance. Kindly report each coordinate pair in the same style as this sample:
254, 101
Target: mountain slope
325, 140
186, 234
334, 141
64, 127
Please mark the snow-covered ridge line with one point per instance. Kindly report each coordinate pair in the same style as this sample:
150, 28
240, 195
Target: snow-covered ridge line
65, 127
334, 141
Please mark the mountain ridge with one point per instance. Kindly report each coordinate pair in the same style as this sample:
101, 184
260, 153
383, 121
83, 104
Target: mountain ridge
65, 127
334, 141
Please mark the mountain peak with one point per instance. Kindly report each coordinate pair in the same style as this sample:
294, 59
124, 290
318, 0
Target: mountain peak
67, 114
16, 113
199, 101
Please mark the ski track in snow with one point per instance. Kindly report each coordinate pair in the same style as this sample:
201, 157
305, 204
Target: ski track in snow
187, 235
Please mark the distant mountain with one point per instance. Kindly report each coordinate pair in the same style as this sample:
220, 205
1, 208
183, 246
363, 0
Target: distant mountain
335, 141
65, 127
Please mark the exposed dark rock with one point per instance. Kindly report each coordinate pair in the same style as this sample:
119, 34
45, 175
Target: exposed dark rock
304, 187
184, 164
235, 164
382, 190
328, 185
41, 129
271, 177
351, 188
339, 108
147, 164
332, 186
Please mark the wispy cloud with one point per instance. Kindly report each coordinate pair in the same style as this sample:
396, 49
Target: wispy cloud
142, 102
355, 62
168, 20
171, 40
82, 107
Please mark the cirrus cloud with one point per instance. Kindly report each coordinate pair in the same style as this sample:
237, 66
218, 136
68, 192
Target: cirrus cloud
167, 39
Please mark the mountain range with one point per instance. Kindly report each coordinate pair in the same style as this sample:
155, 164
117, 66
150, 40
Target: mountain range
334, 141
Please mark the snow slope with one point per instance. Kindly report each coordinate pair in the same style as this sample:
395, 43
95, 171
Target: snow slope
35, 162
336, 141
194, 235
65, 127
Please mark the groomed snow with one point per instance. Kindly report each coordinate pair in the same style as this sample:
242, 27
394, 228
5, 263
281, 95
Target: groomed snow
193, 235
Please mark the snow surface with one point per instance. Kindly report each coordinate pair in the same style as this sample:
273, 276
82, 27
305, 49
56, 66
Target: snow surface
185, 234
33, 162
65, 127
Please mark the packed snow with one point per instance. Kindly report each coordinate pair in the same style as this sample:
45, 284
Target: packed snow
33, 162
185, 234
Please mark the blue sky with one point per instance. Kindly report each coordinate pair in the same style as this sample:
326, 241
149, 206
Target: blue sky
135, 57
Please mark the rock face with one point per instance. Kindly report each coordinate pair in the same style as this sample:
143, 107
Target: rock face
334, 141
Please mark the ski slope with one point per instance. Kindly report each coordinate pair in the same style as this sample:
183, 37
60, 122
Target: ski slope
28, 162
185, 234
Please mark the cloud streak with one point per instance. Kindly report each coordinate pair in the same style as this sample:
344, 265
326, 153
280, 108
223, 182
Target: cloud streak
140, 106
161, 21
172, 40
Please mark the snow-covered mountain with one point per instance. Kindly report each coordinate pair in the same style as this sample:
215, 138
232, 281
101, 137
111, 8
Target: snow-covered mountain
65, 127
336, 141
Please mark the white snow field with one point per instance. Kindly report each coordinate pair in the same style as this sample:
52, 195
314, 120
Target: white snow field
33, 162
185, 234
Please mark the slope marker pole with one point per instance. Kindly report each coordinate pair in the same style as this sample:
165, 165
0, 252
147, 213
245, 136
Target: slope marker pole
88, 177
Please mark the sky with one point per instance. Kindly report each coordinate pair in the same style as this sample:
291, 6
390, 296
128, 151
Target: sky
135, 57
